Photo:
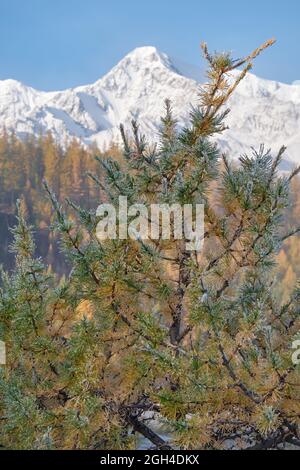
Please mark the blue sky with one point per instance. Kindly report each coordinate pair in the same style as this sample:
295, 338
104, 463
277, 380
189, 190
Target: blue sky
54, 44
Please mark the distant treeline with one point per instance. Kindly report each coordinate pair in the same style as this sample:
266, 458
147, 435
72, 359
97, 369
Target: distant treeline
23, 166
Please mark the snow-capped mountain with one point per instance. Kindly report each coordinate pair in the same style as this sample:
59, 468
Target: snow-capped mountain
263, 111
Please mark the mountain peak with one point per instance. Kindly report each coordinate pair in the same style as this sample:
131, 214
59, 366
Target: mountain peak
15, 94
11, 84
143, 58
263, 111
140, 68
147, 54
145, 51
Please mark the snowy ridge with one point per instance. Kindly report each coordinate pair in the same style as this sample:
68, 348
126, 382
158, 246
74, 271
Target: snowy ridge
263, 111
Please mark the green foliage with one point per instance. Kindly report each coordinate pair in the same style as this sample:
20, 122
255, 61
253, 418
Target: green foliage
137, 330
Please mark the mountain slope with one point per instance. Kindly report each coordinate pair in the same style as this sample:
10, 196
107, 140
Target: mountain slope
262, 110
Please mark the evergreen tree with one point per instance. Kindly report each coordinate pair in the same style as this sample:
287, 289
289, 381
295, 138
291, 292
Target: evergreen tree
198, 341
52, 161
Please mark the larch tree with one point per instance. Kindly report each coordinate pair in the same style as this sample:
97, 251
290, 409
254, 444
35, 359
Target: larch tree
141, 329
